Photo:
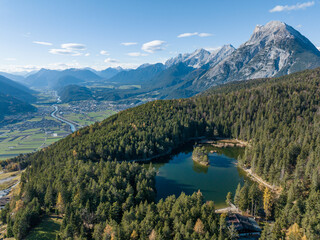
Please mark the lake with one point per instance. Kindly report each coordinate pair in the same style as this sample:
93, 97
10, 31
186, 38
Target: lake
179, 173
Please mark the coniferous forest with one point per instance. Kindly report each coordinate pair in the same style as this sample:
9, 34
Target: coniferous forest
86, 177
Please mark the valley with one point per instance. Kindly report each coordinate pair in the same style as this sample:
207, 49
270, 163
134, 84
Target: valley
51, 122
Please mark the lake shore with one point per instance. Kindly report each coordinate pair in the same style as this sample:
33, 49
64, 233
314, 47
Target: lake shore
275, 189
225, 142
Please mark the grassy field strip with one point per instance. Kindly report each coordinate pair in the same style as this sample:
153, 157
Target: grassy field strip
8, 174
46, 230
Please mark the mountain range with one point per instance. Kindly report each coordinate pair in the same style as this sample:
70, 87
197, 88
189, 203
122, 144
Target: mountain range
46, 78
273, 50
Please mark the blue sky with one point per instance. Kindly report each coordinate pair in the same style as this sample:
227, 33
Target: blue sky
100, 33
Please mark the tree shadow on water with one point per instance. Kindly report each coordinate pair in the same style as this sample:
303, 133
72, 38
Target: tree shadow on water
167, 187
198, 168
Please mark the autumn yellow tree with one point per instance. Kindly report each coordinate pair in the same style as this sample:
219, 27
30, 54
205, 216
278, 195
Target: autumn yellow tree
19, 205
152, 235
108, 232
134, 235
60, 203
267, 202
295, 233
199, 227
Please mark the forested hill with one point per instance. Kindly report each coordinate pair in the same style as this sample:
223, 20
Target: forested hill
280, 117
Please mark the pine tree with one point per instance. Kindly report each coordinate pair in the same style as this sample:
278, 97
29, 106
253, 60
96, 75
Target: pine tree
228, 198
237, 195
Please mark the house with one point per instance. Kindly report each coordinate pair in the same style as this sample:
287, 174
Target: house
246, 227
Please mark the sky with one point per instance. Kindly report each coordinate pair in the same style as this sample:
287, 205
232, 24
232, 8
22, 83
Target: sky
59, 34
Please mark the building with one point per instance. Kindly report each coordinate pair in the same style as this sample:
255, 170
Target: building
246, 227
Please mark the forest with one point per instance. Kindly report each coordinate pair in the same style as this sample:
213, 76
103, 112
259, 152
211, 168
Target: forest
86, 178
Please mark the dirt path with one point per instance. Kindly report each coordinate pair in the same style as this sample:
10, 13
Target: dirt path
232, 208
258, 179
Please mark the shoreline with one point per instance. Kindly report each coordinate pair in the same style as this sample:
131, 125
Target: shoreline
275, 189
202, 164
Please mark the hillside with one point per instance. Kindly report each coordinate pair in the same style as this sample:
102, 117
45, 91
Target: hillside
14, 77
279, 117
74, 93
141, 75
17, 90
10, 106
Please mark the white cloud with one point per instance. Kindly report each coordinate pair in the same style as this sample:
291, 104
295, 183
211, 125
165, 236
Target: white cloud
43, 43
62, 51
10, 59
298, 6
73, 46
111, 60
129, 43
153, 46
136, 54
205, 34
71, 49
299, 26
105, 53
183, 35
318, 48
87, 55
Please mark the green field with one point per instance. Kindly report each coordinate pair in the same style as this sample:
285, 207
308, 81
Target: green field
130, 86
89, 118
15, 142
46, 230
45, 97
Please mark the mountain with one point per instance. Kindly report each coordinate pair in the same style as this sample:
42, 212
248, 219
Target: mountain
139, 76
16, 90
14, 77
10, 105
67, 80
201, 57
173, 82
74, 93
171, 76
275, 49
46, 78
109, 72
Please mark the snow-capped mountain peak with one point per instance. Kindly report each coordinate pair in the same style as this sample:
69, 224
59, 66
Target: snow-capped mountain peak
201, 57
274, 49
